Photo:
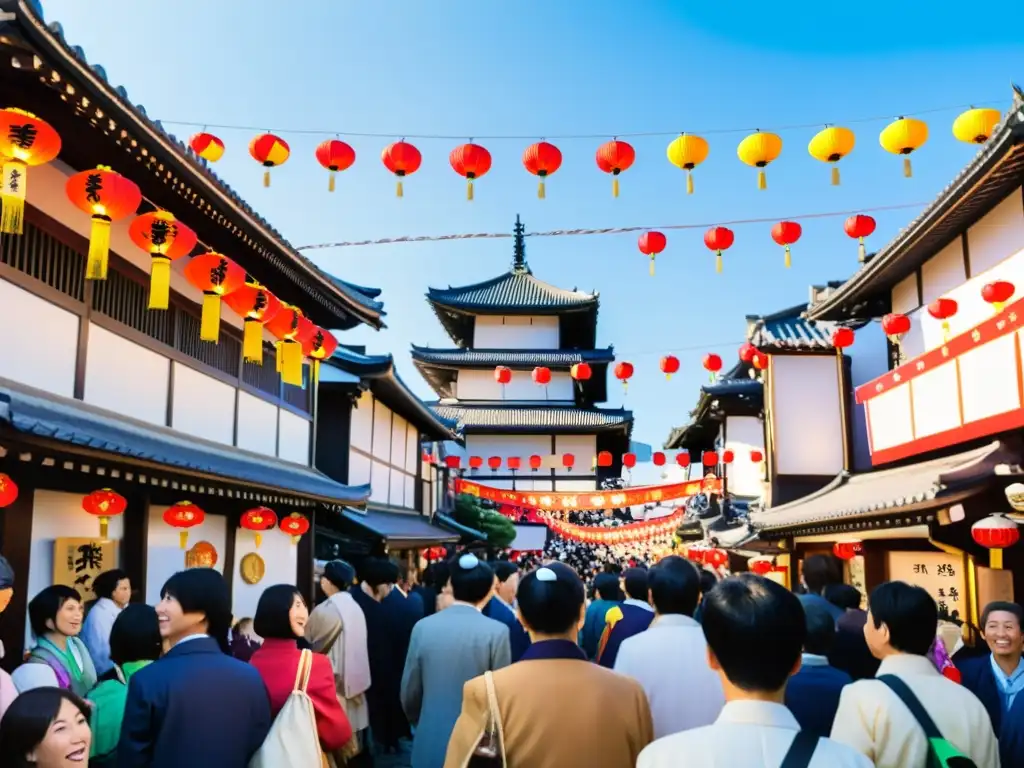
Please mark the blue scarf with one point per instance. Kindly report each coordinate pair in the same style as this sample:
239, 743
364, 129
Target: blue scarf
1010, 686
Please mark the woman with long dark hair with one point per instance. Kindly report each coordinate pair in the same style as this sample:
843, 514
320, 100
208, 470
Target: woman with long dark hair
281, 618
45, 728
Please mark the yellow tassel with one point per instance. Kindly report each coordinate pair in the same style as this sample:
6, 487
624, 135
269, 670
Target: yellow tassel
330, 182
209, 325
945, 330
12, 197
469, 189
789, 260
183, 539
862, 254
266, 178
718, 262
689, 183
279, 356
99, 249
997, 306
252, 341
159, 282
652, 266
835, 175
995, 559
615, 187
907, 170
291, 367
259, 539
104, 527
625, 389
399, 192
762, 179
540, 189
13, 216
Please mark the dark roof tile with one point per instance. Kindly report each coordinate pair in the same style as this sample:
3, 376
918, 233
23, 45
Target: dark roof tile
526, 418
517, 289
552, 358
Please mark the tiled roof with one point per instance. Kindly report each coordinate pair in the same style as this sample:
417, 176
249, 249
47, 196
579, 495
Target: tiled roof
69, 421
787, 330
515, 290
918, 485
400, 528
365, 296
526, 418
740, 387
32, 13
552, 358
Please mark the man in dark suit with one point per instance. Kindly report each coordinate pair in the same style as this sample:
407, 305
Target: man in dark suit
401, 610
500, 608
631, 618
812, 694
195, 706
997, 679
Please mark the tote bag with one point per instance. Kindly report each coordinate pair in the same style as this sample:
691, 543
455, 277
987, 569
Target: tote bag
293, 741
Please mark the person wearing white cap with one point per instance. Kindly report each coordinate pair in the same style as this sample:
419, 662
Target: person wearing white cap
446, 650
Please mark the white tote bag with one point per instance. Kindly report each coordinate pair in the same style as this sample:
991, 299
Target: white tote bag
292, 741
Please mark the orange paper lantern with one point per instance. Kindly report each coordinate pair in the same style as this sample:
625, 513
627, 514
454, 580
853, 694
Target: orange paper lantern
184, 515
258, 519
470, 161
292, 329
651, 244
106, 196
256, 305
104, 504
295, 525
614, 157
215, 275
165, 239
402, 159
207, 146
334, 155
542, 159
269, 151
24, 140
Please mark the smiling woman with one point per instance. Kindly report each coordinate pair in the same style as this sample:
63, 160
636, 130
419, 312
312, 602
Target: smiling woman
45, 728
59, 658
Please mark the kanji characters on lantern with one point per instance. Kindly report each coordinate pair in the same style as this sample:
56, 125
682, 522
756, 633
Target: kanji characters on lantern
24, 140
215, 275
165, 239
292, 329
257, 306
106, 196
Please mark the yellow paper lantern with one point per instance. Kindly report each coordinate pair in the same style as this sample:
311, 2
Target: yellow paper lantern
757, 150
975, 126
687, 152
830, 146
903, 136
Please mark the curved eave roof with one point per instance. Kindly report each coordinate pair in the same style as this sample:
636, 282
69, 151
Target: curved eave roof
788, 331
557, 359
49, 39
515, 292
364, 296
997, 170
530, 419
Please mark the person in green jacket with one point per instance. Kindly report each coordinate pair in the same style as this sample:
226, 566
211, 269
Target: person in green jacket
134, 643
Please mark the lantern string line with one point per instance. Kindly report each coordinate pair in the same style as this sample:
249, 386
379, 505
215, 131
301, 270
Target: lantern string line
564, 137
602, 230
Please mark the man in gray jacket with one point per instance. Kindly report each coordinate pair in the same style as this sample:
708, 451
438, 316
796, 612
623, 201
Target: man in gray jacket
446, 651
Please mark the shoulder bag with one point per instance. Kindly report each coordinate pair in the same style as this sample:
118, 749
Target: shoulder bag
941, 753
801, 751
490, 749
293, 741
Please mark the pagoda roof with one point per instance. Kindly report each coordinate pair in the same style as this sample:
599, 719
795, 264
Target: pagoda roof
364, 296
789, 330
740, 393
62, 86
995, 172
500, 419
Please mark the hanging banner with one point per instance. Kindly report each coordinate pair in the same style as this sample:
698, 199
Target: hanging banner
591, 500
620, 534
76, 562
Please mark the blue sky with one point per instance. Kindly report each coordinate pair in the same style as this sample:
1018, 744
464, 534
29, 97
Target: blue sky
544, 69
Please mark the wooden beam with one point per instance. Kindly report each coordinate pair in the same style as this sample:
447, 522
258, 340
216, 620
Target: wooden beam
135, 542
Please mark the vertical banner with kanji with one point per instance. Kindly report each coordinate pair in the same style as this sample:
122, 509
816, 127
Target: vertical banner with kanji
76, 562
939, 573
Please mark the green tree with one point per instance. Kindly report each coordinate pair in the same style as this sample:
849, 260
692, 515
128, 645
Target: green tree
499, 529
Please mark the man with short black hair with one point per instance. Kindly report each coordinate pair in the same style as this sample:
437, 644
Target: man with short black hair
631, 618
669, 658
818, 573
500, 608
900, 630
755, 632
812, 694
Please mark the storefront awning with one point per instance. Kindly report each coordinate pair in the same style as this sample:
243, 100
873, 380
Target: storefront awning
401, 530
464, 530
917, 487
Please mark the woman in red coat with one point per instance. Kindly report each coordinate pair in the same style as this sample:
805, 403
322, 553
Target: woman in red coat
281, 620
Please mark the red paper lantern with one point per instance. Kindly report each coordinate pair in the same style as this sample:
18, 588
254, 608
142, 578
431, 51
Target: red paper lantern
847, 550
995, 532
269, 151
614, 157
651, 244
321, 345
470, 161
258, 519
580, 372
215, 275
294, 331
759, 361
710, 458
184, 515
712, 364
402, 159
514, 463
295, 525
669, 364
658, 459
997, 293
8, 491
623, 372
683, 459
105, 504
760, 565
334, 155
604, 459
859, 227
535, 462
756, 456
727, 457
494, 462
719, 239
842, 338
542, 160
24, 140
106, 196
568, 460
943, 309
629, 460
895, 326
165, 239
452, 462
256, 305
207, 146
716, 558
746, 353
475, 462
503, 374
541, 376
785, 233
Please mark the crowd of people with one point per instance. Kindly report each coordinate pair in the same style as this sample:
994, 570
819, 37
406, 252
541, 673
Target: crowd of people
491, 664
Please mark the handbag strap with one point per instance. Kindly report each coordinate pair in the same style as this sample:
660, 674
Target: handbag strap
902, 690
801, 750
495, 713
302, 672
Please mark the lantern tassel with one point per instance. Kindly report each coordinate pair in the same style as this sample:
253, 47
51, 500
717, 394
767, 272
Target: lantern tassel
159, 282
99, 249
330, 182
945, 330
183, 539
252, 341
104, 527
266, 178
689, 183
995, 559
862, 254
625, 391
279, 356
652, 266
908, 171
209, 325
399, 191
762, 180
997, 306
835, 175
540, 190
291, 366
13, 177
789, 258
469, 189
718, 262
259, 539
615, 187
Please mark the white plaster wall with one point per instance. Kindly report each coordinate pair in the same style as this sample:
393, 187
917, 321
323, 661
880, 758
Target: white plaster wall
396, 489
381, 431
42, 354
475, 384
943, 272
361, 434
166, 557
380, 479
412, 447
504, 446
358, 468
128, 379
203, 406
998, 235
515, 332
808, 423
281, 559
257, 425
742, 435
294, 441
583, 447
398, 441
904, 295
59, 515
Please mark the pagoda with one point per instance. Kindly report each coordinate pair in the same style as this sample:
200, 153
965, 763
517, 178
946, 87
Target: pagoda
520, 322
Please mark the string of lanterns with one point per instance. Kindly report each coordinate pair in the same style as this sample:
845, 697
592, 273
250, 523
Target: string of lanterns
621, 534
687, 152
602, 459
107, 196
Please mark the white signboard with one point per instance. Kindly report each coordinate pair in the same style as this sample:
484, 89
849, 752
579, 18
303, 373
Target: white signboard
939, 573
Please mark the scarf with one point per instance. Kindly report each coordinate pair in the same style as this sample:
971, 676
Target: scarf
1010, 686
71, 675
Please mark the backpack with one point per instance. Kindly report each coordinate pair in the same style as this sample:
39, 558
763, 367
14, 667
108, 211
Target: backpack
292, 741
941, 753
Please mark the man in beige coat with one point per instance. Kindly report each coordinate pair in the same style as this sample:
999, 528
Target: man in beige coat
873, 720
